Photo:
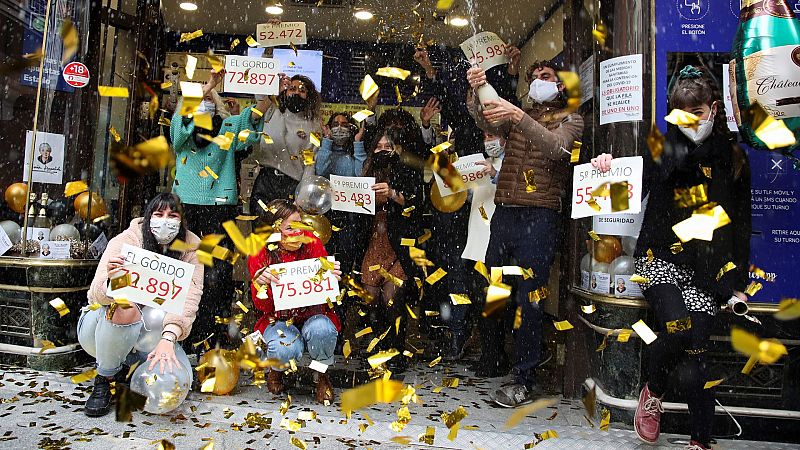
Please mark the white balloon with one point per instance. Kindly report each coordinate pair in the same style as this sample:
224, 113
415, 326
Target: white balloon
313, 195
166, 391
65, 230
586, 263
599, 266
151, 331
623, 265
13, 231
628, 245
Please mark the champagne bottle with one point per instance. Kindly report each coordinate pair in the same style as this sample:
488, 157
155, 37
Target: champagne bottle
485, 93
765, 65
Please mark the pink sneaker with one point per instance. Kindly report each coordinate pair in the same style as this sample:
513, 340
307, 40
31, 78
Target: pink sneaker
647, 421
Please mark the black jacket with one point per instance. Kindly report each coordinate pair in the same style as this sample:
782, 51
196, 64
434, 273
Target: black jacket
682, 166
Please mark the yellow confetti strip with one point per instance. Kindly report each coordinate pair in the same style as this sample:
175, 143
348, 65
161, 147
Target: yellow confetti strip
59, 306
725, 269
676, 248
594, 236
251, 42
639, 279
435, 276
480, 267
789, 309
379, 391
361, 115
75, 188
113, 132
605, 420
84, 376
644, 332
411, 312
381, 357
538, 295
682, 118
530, 182
768, 351
655, 142
186, 37
435, 361
111, 91
191, 65
520, 413
393, 72
624, 334
563, 325
442, 5
692, 196
773, 132
211, 172
702, 223
368, 87
588, 309
425, 236
619, 196
753, 288
750, 364
518, 318
364, 332
675, 326
711, 384
408, 242
216, 62
706, 171
441, 147
575, 155
460, 299
204, 121
165, 445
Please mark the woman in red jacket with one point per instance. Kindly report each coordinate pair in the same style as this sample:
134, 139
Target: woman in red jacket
288, 332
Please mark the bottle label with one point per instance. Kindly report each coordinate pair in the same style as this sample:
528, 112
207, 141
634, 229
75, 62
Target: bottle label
773, 78
774, 8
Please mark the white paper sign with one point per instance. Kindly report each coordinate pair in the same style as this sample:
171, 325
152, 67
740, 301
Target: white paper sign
599, 282
623, 286
98, 246
54, 250
726, 91
157, 281
353, 194
245, 75
471, 174
586, 179
621, 89
620, 224
5, 242
295, 289
48, 157
38, 234
284, 33
304, 62
587, 79
486, 48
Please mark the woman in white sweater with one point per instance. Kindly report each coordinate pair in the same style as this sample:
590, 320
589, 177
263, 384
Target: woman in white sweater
289, 126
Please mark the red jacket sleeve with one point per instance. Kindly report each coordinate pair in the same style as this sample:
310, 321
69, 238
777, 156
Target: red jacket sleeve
254, 264
315, 247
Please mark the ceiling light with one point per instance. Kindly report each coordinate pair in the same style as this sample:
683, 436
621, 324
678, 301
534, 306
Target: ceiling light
457, 21
363, 14
188, 6
275, 9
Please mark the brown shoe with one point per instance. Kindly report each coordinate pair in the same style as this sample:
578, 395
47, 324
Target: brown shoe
275, 382
324, 389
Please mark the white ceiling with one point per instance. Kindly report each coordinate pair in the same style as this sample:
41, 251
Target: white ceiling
511, 20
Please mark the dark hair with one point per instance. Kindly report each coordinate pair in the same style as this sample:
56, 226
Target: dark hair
312, 97
160, 202
368, 170
279, 209
539, 65
353, 127
695, 86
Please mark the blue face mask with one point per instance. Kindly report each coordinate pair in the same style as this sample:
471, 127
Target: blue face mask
493, 148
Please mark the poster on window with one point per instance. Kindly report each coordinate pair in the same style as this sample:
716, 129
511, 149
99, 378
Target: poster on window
48, 157
621, 84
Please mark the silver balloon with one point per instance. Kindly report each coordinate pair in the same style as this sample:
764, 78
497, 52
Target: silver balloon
65, 231
13, 231
586, 263
628, 245
166, 391
599, 267
151, 331
313, 195
623, 265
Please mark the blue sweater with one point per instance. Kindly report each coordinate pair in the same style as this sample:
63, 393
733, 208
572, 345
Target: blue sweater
336, 161
190, 161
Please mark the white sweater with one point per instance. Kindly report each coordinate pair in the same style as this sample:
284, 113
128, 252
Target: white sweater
290, 134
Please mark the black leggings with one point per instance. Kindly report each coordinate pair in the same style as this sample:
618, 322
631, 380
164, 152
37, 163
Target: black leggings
685, 348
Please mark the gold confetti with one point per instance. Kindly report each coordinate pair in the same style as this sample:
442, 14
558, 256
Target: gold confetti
381, 357
676, 248
368, 88
165, 445
644, 332
361, 115
411, 312
702, 223
408, 242
748, 366
186, 37
480, 267
691, 196
588, 309
768, 351
435, 276
251, 42
675, 326
364, 332
425, 236
46, 345
441, 147
624, 335
788, 309
75, 188
191, 65
210, 172
69, 41
563, 325
285, 405
392, 72
619, 196
639, 279
538, 295
682, 118
655, 142
460, 299
215, 61
59, 306
442, 5
428, 436
711, 384
518, 318
166, 85
530, 183
725, 269
575, 155
112, 91
605, 420
242, 307
378, 391
435, 361
204, 121
235, 43
84, 376
773, 132
753, 288
594, 236
519, 413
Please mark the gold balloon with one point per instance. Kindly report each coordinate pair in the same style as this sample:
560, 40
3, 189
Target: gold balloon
16, 195
220, 365
321, 224
81, 205
607, 249
451, 203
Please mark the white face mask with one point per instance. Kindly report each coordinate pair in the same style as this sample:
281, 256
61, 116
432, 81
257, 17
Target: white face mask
207, 106
543, 91
493, 148
703, 131
164, 229
340, 135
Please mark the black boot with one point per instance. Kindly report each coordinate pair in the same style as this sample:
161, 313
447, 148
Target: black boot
99, 402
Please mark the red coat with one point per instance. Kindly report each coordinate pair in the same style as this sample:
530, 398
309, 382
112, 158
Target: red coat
313, 249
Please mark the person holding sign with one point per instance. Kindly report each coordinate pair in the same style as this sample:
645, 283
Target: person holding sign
111, 331
525, 225
387, 269
692, 280
287, 332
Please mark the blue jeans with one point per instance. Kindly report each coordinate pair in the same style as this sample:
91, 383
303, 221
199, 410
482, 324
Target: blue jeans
111, 344
527, 237
319, 335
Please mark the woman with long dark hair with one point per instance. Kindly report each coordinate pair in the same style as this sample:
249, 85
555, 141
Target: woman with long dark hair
686, 284
288, 332
287, 128
387, 270
111, 333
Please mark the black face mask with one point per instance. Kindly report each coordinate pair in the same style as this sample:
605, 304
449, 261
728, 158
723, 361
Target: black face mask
295, 103
384, 159
216, 123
